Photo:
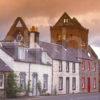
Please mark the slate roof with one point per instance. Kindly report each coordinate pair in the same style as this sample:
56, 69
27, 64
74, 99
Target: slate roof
56, 51
4, 67
9, 48
31, 55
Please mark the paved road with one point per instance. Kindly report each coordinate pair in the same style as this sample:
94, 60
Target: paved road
95, 96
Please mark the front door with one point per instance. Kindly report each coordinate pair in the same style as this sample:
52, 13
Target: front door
34, 84
88, 84
67, 85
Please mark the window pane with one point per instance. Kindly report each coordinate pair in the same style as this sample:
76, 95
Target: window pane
73, 68
60, 66
23, 80
45, 85
74, 83
83, 82
60, 83
94, 83
67, 66
1, 80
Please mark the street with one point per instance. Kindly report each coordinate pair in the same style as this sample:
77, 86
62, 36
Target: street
92, 96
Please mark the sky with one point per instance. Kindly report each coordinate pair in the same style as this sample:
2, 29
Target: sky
45, 13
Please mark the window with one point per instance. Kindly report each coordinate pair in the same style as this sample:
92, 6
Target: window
74, 83
45, 84
73, 68
83, 82
88, 65
66, 20
21, 52
94, 83
94, 66
83, 65
44, 57
59, 37
23, 80
19, 38
60, 83
60, 66
1, 81
67, 66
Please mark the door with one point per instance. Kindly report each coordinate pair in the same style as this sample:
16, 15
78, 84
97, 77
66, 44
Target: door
88, 85
34, 83
67, 85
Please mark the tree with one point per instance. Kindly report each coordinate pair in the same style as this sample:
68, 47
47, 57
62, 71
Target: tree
11, 86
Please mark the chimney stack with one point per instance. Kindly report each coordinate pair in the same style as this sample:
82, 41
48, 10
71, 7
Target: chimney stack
34, 37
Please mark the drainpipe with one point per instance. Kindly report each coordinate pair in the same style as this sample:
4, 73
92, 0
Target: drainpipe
29, 80
52, 79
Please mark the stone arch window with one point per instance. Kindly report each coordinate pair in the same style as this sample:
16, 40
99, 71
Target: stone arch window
1, 81
19, 37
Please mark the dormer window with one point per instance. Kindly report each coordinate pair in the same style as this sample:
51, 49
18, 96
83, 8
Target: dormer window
45, 58
66, 20
21, 53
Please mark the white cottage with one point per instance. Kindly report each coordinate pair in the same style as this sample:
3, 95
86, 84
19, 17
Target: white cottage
33, 70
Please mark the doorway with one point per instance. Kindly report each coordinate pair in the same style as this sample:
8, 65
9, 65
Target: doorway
88, 85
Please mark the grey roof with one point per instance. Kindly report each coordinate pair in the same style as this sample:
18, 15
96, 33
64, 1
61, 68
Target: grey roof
4, 67
31, 55
9, 48
56, 51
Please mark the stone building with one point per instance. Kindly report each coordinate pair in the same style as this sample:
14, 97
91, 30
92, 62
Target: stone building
69, 33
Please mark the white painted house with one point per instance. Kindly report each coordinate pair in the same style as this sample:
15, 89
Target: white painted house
65, 67
29, 65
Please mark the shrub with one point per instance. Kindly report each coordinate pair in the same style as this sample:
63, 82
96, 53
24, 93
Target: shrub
11, 86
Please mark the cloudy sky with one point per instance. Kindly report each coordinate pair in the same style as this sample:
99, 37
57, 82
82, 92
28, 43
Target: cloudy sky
43, 13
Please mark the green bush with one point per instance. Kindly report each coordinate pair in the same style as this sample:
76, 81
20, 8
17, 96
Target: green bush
11, 86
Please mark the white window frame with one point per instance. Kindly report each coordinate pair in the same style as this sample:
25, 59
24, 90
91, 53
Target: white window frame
60, 83
67, 66
21, 53
94, 83
45, 83
2, 87
60, 66
73, 83
23, 79
73, 67
83, 82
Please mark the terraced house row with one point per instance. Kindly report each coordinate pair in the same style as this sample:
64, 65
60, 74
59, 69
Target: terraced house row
66, 65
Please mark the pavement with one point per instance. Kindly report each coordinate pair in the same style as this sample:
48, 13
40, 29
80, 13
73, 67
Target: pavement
91, 96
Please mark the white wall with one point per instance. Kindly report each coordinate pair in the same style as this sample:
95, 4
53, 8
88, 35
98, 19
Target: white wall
64, 74
24, 67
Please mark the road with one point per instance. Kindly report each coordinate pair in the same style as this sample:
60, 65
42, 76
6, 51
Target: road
92, 96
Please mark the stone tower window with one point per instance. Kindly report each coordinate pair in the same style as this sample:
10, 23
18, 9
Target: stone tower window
65, 20
19, 38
